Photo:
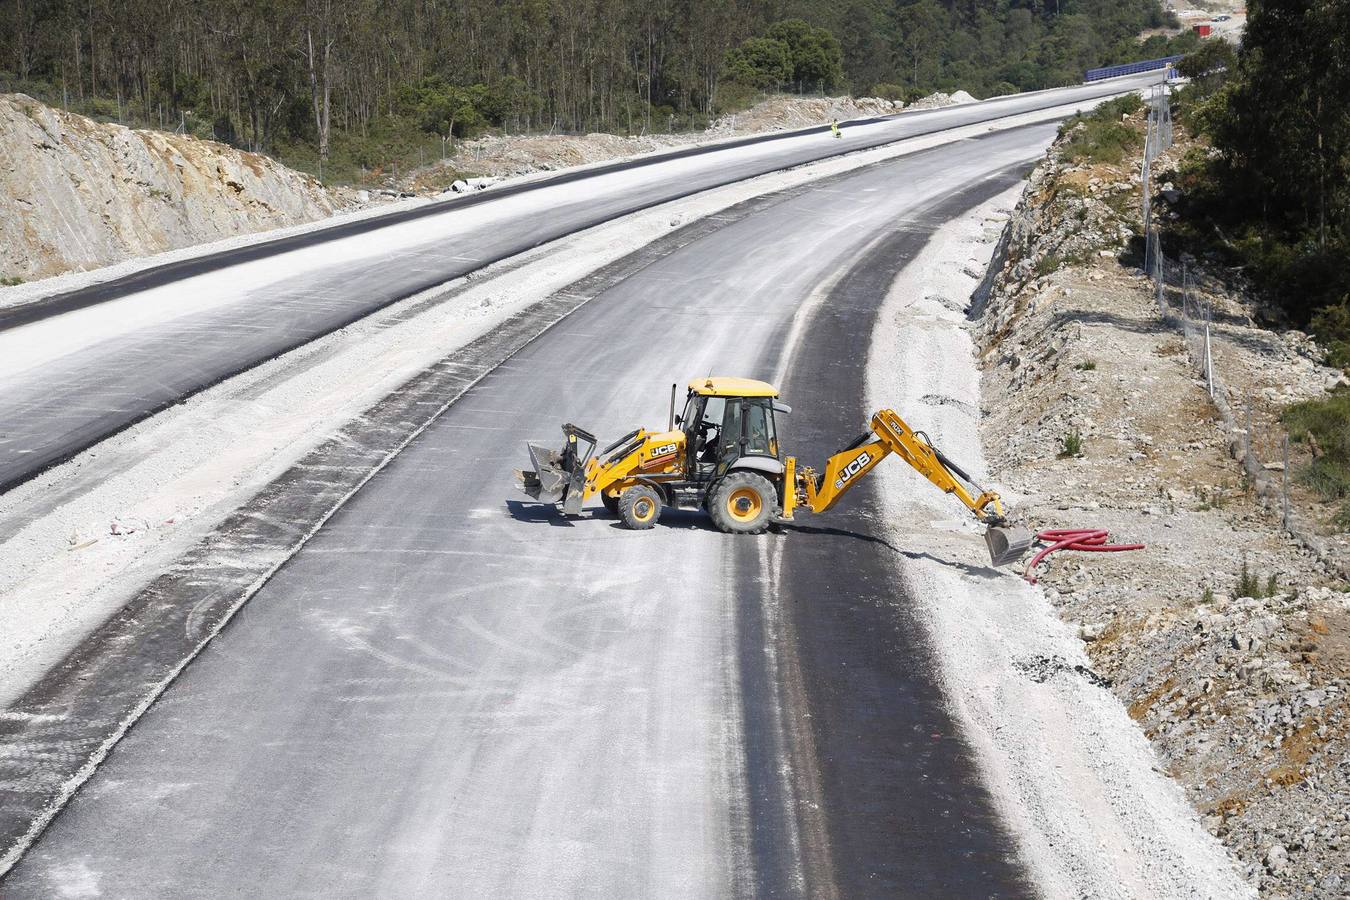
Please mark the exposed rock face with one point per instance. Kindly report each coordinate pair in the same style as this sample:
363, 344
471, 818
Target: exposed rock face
1227, 638
77, 194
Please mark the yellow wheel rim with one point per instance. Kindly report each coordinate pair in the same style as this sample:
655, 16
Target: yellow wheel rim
744, 504
644, 509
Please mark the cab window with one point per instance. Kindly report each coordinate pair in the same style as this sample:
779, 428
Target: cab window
759, 431
731, 427
689, 418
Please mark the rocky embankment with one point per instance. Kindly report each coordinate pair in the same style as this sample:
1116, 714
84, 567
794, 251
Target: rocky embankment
79, 194
1228, 639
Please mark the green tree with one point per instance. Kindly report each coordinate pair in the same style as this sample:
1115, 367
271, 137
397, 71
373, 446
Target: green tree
1276, 196
1208, 65
817, 59
444, 109
760, 62
921, 32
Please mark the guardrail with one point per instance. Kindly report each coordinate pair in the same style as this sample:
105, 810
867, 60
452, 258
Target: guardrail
1147, 65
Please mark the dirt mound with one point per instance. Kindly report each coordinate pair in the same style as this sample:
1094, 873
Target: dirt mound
83, 194
781, 113
939, 100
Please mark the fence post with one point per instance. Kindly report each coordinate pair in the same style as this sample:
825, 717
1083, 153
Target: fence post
1285, 483
1249, 428
1209, 364
1185, 303
1160, 262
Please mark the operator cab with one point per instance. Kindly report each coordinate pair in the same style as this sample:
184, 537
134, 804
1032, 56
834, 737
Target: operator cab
730, 422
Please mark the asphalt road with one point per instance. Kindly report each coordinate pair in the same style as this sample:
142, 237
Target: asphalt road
68, 381
451, 693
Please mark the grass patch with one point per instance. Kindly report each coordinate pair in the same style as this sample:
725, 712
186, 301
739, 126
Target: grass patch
1324, 426
1100, 136
10, 280
1087, 365
1048, 263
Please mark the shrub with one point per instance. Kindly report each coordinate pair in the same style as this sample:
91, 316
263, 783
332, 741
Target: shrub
1048, 263
1332, 327
1324, 425
1248, 583
1100, 136
1112, 110
1101, 141
888, 91
1071, 444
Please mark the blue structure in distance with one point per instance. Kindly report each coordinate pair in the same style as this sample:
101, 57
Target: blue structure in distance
1147, 65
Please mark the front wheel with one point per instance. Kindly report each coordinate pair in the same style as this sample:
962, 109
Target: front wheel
611, 504
744, 503
639, 507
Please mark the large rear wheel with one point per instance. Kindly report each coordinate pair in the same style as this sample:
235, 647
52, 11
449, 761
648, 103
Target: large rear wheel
744, 503
639, 507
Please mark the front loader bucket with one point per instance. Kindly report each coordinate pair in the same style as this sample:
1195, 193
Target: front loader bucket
559, 475
1006, 543
548, 480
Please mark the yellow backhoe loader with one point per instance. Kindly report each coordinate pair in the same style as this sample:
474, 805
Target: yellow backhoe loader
722, 454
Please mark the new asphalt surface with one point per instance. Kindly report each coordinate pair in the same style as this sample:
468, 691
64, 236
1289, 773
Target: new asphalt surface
450, 692
84, 366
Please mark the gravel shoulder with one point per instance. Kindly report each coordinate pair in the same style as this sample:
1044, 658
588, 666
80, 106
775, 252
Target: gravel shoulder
1076, 778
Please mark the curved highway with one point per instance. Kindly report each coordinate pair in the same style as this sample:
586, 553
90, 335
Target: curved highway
446, 694
123, 350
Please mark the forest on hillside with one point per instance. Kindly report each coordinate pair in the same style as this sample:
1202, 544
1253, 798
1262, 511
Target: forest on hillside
317, 75
1271, 192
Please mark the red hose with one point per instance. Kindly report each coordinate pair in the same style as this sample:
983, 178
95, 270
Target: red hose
1088, 539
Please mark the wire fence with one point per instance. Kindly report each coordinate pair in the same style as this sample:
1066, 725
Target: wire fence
1262, 449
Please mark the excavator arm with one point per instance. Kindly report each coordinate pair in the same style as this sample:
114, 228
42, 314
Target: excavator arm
890, 435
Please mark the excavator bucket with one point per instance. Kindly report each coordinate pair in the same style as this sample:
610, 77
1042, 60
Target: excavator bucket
1006, 543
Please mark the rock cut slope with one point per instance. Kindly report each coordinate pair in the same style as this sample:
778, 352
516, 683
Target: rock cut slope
1228, 638
82, 194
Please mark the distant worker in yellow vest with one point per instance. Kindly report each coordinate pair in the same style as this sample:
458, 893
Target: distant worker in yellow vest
834, 128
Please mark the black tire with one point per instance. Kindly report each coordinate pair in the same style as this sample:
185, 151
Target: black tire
639, 507
743, 503
611, 504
